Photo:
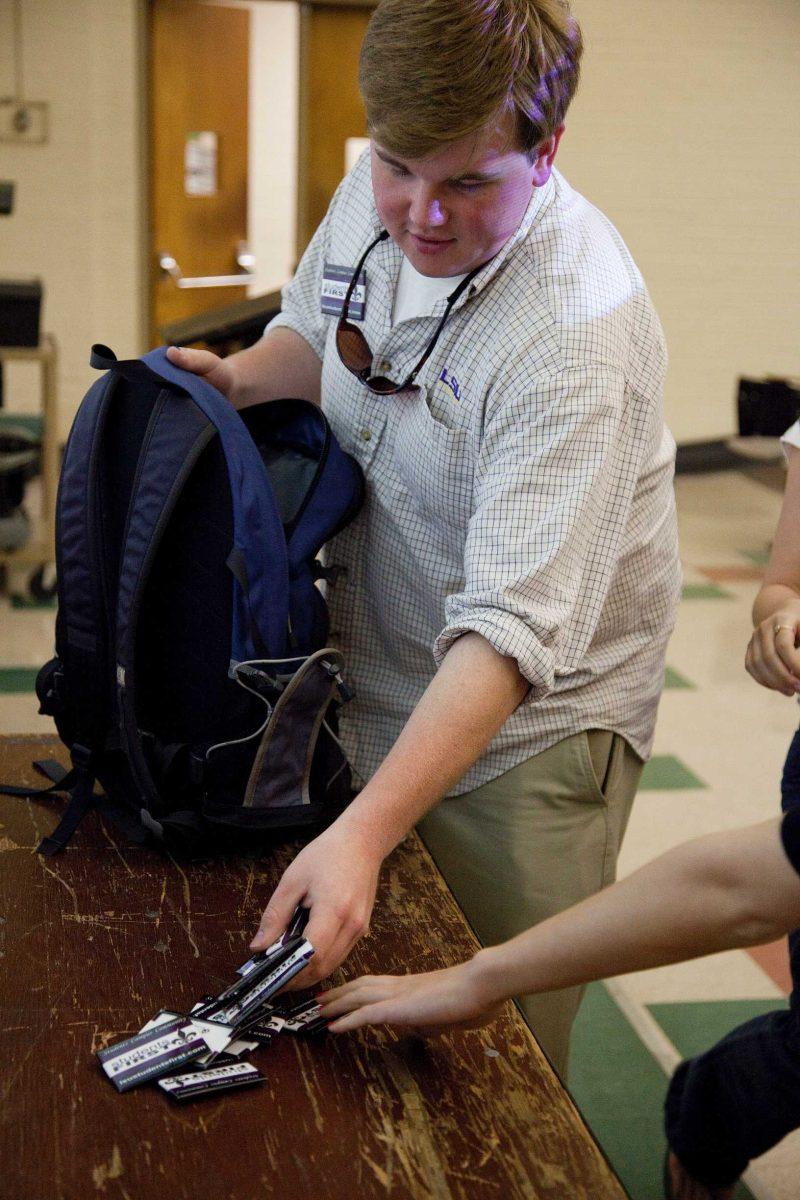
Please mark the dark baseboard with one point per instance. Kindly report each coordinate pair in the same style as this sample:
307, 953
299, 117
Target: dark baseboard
693, 458
697, 458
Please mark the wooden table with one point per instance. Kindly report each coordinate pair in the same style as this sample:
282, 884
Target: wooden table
96, 940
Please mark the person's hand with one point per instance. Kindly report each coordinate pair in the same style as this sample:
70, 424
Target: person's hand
217, 371
772, 657
453, 998
335, 877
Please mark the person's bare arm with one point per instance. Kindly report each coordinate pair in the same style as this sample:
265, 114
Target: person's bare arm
719, 892
336, 875
279, 366
772, 657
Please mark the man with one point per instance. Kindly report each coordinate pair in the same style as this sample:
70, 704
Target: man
511, 581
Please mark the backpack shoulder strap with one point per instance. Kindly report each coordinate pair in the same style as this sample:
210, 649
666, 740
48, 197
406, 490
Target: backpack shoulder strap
259, 559
177, 433
82, 625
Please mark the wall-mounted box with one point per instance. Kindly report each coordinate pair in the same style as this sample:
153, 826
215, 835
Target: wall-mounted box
20, 306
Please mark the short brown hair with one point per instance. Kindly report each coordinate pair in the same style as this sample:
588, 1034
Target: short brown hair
433, 71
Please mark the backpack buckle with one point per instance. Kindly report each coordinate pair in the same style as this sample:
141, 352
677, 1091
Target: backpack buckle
335, 672
50, 688
81, 756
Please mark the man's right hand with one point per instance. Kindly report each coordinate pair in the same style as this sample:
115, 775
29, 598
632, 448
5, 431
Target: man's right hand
210, 366
335, 878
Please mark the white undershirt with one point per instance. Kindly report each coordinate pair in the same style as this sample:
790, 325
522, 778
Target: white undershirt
792, 435
415, 294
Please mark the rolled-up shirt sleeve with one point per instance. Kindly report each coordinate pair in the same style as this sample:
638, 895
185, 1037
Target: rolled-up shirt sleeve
555, 479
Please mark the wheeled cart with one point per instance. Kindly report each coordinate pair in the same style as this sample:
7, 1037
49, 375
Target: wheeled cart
27, 566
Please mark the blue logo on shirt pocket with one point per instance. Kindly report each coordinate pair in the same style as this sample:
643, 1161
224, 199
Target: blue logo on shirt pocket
450, 381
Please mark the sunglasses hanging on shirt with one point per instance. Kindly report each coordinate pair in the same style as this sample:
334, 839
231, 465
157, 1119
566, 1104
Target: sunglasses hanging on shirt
353, 347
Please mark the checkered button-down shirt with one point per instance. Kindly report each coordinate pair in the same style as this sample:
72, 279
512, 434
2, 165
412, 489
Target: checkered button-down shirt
522, 491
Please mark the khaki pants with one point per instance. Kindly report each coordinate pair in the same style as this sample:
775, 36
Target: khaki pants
531, 843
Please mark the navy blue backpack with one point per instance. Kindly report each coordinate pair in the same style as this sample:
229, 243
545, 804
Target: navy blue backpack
192, 679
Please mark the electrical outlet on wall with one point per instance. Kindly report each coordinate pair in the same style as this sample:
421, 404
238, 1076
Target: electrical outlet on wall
23, 121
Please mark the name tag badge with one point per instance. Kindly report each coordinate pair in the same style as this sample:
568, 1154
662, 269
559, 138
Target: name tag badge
335, 282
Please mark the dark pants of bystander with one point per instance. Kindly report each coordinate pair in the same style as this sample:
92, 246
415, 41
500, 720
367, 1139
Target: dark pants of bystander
743, 1095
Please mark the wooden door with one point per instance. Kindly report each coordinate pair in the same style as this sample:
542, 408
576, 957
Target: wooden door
198, 145
331, 109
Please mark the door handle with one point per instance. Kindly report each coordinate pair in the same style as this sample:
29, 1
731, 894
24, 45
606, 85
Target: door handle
244, 259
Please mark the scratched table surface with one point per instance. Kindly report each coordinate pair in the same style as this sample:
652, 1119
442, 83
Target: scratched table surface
96, 940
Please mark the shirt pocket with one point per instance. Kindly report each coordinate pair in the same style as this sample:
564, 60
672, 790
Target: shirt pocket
435, 462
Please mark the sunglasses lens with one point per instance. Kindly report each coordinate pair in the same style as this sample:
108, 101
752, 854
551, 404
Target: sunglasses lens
353, 349
381, 385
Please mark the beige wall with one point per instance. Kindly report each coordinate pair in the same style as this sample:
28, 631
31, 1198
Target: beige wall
272, 202
78, 213
272, 138
685, 132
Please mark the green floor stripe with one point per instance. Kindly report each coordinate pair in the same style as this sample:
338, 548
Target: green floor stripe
704, 591
673, 679
17, 679
620, 1088
759, 557
694, 1026
665, 773
26, 602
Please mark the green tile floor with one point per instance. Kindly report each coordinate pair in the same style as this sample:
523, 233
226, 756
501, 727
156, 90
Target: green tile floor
693, 1026
17, 679
665, 772
623, 1105
704, 591
674, 679
759, 557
